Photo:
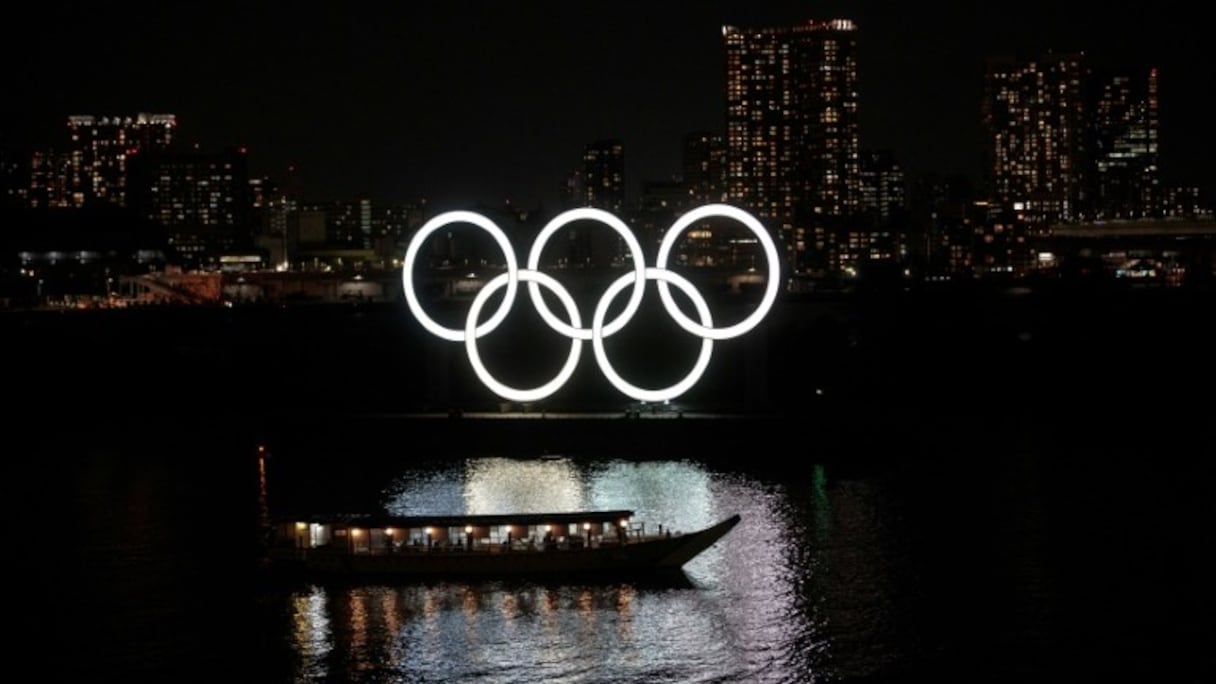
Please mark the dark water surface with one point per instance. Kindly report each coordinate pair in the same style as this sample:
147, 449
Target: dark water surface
992, 486
992, 564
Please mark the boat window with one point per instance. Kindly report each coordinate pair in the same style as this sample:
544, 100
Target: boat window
318, 535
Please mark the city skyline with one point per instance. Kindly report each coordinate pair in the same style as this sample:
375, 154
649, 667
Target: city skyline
499, 103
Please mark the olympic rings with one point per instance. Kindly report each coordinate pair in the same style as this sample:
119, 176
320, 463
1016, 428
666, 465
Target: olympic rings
598, 329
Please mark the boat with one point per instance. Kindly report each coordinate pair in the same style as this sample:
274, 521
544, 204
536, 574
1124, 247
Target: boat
606, 543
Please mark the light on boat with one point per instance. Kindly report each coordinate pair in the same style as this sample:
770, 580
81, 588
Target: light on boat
546, 528
468, 529
624, 522
586, 526
428, 531
355, 532
388, 531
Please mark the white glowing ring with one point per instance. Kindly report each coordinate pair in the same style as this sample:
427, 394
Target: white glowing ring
770, 253
470, 338
411, 254
635, 252
663, 276
599, 330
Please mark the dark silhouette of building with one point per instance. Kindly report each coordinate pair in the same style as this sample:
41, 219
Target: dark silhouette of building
704, 164
603, 187
604, 175
1126, 139
882, 186
14, 176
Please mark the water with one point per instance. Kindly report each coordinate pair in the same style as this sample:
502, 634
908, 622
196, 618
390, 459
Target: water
1001, 565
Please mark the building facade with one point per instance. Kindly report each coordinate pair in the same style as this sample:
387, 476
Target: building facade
202, 199
793, 149
1126, 157
1035, 125
99, 149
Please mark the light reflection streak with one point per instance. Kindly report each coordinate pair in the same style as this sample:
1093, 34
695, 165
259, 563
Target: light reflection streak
503, 485
756, 609
625, 597
437, 492
392, 612
664, 492
358, 649
312, 638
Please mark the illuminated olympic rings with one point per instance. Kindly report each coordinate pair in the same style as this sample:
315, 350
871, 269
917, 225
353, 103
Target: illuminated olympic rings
599, 329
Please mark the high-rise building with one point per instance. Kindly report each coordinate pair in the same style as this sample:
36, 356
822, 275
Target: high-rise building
705, 167
882, 185
1126, 128
99, 147
201, 198
793, 150
604, 175
1034, 120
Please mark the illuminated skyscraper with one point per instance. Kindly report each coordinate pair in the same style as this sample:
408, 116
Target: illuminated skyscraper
1034, 120
98, 148
793, 152
1126, 126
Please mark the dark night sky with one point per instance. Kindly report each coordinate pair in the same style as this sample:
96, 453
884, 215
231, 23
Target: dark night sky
481, 101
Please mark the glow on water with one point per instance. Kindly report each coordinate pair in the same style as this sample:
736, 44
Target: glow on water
754, 608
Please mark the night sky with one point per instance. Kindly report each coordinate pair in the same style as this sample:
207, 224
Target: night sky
486, 101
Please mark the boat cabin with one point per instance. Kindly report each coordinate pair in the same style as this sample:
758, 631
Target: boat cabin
375, 535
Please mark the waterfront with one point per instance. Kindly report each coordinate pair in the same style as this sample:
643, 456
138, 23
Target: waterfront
1012, 488
1013, 567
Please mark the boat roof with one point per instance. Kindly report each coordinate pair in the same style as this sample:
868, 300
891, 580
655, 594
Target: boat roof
372, 520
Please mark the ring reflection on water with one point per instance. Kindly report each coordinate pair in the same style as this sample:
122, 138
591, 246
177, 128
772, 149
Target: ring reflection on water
752, 608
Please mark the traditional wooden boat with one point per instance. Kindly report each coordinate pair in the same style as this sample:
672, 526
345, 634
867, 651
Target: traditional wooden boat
595, 542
